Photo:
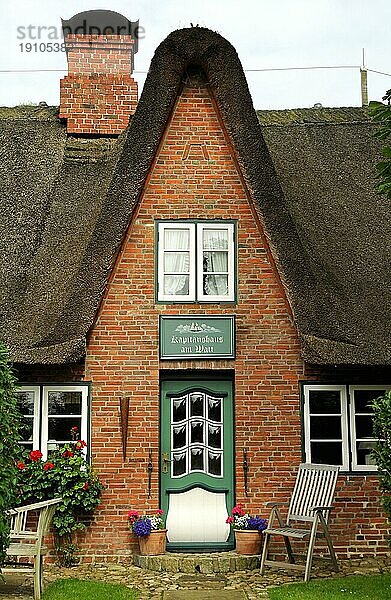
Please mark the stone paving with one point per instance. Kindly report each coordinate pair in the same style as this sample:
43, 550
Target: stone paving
152, 585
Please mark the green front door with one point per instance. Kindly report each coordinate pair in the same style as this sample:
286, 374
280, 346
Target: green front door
197, 462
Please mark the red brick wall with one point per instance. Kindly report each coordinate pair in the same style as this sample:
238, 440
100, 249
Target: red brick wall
99, 94
195, 176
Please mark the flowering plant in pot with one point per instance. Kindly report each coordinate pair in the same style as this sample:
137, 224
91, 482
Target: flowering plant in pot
247, 530
150, 531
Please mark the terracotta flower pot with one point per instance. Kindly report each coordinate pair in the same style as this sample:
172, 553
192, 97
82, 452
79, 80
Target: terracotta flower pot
154, 543
248, 541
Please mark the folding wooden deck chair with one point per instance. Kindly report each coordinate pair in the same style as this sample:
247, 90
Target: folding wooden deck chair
310, 505
29, 524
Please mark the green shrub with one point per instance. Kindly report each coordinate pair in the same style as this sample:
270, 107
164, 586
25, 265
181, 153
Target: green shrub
9, 447
382, 451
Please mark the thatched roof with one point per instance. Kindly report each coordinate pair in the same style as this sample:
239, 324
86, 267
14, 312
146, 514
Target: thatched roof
65, 206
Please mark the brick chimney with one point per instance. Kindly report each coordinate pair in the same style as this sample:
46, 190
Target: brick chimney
99, 94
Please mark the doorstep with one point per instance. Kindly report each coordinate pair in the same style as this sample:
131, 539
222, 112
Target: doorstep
215, 562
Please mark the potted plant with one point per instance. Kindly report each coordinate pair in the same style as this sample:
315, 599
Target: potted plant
150, 532
247, 530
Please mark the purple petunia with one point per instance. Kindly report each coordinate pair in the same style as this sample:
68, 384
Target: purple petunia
256, 523
142, 527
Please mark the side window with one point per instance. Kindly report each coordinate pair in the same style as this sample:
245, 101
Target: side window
49, 412
338, 425
196, 261
325, 425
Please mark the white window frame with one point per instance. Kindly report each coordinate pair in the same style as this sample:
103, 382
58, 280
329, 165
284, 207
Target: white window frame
40, 427
195, 293
343, 416
229, 227
352, 389
349, 452
36, 391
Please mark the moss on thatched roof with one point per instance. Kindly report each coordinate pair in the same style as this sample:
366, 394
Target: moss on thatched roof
66, 205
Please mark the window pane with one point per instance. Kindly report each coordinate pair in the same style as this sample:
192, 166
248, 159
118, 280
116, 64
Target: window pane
26, 429
179, 436
26, 402
196, 405
215, 262
214, 409
176, 285
364, 426
324, 401
214, 436
176, 239
215, 239
326, 428
60, 429
214, 463
216, 285
178, 409
364, 453
197, 432
328, 453
196, 459
176, 262
363, 399
64, 403
179, 464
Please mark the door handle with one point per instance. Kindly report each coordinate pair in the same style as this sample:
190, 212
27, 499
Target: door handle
165, 462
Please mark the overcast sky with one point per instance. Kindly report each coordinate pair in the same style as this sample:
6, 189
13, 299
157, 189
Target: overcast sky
267, 34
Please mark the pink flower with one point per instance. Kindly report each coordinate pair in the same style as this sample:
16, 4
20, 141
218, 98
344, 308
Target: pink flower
230, 520
133, 515
75, 429
35, 455
85, 486
20, 466
159, 511
238, 510
47, 466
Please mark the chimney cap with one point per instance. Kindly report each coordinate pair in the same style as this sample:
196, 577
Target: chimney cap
101, 22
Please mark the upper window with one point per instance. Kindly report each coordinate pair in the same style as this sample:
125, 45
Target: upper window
196, 262
50, 413
338, 425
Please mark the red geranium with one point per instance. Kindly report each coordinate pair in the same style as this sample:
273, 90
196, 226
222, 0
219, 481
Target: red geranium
85, 486
80, 444
47, 466
20, 466
133, 515
35, 455
67, 454
238, 510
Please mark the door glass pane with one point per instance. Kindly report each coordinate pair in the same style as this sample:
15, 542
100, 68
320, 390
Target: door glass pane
64, 403
214, 409
196, 459
214, 463
326, 428
196, 405
214, 436
328, 453
197, 432
179, 437
179, 463
324, 401
178, 409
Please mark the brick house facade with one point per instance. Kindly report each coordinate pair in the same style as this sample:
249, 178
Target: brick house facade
191, 160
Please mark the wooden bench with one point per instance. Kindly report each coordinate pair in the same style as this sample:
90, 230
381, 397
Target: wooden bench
29, 524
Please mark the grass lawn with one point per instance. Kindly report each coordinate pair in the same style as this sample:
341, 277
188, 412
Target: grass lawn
75, 589
357, 587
